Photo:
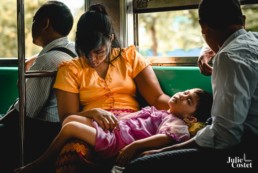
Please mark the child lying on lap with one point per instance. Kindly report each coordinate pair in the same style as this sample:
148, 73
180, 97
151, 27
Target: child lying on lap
140, 131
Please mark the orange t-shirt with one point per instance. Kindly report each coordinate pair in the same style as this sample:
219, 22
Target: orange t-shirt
116, 91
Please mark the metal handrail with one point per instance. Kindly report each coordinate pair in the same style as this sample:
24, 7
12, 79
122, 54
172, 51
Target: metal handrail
21, 71
40, 73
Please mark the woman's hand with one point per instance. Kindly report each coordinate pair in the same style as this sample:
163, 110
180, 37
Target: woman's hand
203, 61
105, 119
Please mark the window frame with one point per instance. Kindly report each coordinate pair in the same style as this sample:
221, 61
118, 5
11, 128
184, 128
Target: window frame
152, 6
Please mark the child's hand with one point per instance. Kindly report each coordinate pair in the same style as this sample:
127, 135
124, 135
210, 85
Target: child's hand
205, 56
149, 152
126, 155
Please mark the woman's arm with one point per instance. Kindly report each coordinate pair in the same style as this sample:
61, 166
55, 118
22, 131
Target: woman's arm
149, 87
68, 104
134, 149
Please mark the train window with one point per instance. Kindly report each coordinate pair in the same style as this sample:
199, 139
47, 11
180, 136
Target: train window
170, 34
175, 33
8, 25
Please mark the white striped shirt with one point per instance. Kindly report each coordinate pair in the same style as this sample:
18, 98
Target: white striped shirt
41, 102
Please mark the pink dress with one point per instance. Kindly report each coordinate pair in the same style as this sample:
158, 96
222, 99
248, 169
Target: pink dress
148, 122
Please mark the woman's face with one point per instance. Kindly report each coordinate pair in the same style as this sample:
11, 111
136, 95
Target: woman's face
98, 56
183, 104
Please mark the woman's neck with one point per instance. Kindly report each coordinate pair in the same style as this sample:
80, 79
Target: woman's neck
102, 69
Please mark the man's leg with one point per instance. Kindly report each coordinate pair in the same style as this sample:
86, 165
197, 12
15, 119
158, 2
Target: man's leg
38, 136
10, 144
183, 160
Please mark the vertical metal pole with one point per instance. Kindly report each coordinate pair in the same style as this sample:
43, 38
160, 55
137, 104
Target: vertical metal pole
86, 5
21, 72
136, 31
123, 23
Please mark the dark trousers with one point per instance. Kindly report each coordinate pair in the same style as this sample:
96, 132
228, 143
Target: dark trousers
37, 137
242, 158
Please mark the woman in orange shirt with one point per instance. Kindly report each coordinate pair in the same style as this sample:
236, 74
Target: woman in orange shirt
104, 76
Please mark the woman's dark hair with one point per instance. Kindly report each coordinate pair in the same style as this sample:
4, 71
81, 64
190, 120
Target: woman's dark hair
59, 15
203, 108
94, 29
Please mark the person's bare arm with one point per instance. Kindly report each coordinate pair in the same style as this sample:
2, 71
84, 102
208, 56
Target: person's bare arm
30, 61
149, 87
134, 149
68, 104
187, 144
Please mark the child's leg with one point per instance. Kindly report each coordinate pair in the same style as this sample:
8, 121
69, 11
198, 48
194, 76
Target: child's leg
77, 118
69, 130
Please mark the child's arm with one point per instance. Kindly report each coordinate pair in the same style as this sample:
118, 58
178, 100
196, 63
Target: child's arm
134, 149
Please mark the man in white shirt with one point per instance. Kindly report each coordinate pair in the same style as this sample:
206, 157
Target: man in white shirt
232, 138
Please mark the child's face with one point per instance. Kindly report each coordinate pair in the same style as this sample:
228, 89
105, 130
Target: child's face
183, 104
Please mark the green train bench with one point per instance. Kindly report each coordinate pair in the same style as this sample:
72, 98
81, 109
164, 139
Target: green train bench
8, 87
172, 79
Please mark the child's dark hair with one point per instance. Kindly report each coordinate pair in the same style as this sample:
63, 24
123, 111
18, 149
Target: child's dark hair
203, 108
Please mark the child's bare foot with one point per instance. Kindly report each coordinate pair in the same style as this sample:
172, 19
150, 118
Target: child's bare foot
20, 170
30, 168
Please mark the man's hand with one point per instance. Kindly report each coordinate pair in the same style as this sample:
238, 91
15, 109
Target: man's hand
29, 62
206, 55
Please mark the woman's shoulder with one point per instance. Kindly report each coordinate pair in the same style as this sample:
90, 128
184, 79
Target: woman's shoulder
129, 54
74, 66
73, 63
123, 51
130, 50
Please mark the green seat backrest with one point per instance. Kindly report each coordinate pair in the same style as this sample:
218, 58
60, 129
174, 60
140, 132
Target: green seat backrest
177, 78
172, 79
8, 87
